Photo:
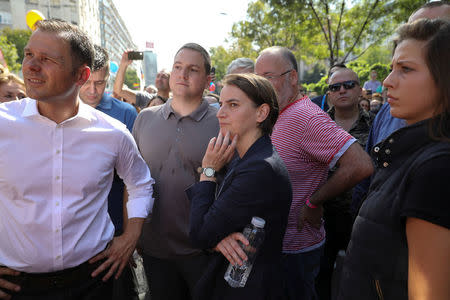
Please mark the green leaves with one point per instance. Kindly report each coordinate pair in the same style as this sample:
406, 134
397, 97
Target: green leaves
131, 78
332, 31
10, 54
12, 42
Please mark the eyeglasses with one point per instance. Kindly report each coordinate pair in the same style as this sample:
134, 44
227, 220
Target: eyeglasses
276, 76
348, 85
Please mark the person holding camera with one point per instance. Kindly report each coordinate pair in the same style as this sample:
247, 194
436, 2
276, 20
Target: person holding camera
137, 98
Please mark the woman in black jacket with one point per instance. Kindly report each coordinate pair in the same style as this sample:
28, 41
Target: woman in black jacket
400, 244
256, 184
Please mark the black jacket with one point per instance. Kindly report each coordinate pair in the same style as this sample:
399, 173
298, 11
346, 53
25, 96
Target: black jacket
376, 264
256, 185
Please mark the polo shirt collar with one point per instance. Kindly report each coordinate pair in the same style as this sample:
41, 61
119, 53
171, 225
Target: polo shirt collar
105, 102
196, 115
84, 110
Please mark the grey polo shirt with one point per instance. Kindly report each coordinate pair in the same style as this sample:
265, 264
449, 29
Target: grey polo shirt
173, 147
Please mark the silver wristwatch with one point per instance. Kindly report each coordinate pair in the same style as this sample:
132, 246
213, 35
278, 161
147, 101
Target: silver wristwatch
208, 171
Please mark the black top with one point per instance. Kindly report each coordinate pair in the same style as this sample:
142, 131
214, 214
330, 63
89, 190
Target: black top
428, 193
411, 180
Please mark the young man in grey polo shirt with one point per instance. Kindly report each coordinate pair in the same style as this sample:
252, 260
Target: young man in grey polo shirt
172, 139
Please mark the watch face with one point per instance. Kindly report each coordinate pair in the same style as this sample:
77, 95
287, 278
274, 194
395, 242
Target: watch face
209, 172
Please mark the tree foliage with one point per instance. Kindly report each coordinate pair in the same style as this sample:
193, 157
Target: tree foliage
10, 54
361, 68
334, 30
131, 78
347, 28
221, 57
18, 37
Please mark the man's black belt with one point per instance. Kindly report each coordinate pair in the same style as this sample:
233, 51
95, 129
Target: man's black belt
35, 283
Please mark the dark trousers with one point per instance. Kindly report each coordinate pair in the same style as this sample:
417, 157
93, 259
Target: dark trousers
338, 228
300, 271
173, 279
72, 284
123, 287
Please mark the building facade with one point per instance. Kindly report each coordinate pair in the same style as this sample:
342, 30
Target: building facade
150, 67
84, 13
98, 18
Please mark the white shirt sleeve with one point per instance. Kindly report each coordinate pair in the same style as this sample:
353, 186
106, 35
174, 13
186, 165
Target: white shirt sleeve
133, 170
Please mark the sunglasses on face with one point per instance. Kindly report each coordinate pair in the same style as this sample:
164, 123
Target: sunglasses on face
348, 85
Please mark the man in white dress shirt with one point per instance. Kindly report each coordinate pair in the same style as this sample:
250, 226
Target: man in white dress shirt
57, 157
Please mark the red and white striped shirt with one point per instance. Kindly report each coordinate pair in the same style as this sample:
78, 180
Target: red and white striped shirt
309, 143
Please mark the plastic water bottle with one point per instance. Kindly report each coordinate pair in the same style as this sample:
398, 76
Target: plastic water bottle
139, 277
236, 275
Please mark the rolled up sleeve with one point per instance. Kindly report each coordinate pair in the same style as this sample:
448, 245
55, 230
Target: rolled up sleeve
135, 173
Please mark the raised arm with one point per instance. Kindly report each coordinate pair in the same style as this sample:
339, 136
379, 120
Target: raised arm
129, 95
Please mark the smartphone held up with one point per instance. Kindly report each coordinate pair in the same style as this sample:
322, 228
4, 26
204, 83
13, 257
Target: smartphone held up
135, 55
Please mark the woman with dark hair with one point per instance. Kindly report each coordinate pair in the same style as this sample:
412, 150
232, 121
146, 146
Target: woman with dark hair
400, 244
256, 184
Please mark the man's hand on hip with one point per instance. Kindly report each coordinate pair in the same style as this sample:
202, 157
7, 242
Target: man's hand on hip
6, 285
119, 251
311, 215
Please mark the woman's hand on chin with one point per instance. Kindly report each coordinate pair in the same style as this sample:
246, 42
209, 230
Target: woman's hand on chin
219, 152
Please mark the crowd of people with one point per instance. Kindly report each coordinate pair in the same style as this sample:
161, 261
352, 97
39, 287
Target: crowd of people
350, 183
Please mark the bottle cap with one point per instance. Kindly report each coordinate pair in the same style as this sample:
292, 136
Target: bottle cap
258, 222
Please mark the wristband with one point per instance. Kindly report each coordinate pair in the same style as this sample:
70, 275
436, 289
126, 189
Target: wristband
310, 205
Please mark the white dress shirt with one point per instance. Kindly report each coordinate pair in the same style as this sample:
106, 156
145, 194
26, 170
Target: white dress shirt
54, 185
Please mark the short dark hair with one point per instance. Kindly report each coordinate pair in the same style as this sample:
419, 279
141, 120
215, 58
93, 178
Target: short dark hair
361, 99
436, 34
260, 91
202, 51
432, 4
348, 70
336, 65
101, 59
82, 50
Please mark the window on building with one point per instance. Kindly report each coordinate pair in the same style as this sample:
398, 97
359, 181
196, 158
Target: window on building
5, 18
